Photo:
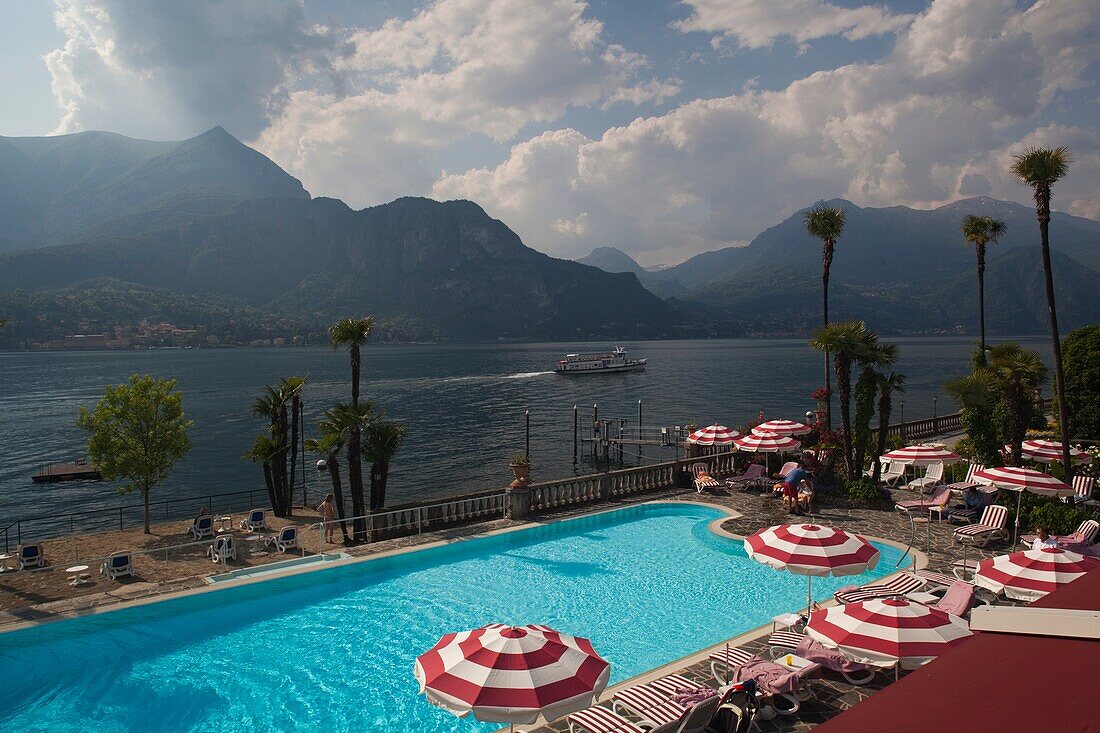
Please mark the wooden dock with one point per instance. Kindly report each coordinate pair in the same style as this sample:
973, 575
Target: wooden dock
79, 471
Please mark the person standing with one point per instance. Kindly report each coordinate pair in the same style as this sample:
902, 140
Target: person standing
327, 510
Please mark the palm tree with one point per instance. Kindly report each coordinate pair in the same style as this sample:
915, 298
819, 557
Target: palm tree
270, 452
981, 231
1040, 168
878, 356
849, 341
1016, 374
280, 440
977, 397
887, 385
291, 389
353, 333
328, 446
380, 444
826, 223
351, 422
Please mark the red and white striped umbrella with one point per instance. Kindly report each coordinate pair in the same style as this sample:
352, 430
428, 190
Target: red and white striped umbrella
713, 435
764, 442
810, 549
782, 427
512, 674
1031, 574
1016, 478
1048, 451
885, 632
921, 455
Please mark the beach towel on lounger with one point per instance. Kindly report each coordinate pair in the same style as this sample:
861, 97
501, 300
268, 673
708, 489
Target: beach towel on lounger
829, 658
769, 676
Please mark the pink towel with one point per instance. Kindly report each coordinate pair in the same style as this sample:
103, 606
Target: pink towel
690, 699
957, 599
769, 676
830, 658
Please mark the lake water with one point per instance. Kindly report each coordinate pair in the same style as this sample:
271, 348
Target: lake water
463, 406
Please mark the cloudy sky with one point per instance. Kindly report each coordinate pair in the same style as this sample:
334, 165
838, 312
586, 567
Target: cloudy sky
663, 127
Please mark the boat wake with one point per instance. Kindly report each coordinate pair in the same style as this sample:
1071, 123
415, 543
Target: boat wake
527, 375
491, 377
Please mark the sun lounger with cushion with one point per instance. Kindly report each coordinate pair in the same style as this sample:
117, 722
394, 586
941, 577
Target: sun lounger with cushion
223, 550
990, 526
32, 555
287, 539
598, 719
937, 502
969, 480
637, 699
1082, 492
782, 643
899, 585
752, 476
202, 527
703, 479
1085, 534
736, 665
933, 476
255, 521
118, 564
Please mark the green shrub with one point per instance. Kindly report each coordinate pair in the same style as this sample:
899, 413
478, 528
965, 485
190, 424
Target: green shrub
965, 447
1081, 362
1045, 511
863, 489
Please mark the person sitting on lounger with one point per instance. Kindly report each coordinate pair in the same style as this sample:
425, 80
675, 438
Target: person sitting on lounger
1043, 539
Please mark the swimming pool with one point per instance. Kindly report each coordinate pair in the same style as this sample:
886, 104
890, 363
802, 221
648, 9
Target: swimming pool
333, 650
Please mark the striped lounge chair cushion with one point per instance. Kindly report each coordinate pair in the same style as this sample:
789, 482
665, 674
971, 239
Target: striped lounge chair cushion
639, 698
785, 639
707, 482
598, 719
936, 578
974, 530
962, 515
668, 712
673, 684
733, 656
898, 586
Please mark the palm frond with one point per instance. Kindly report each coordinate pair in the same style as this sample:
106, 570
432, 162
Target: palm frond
1038, 167
825, 222
350, 332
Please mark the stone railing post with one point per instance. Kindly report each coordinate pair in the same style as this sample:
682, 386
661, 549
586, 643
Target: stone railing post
605, 487
518, 501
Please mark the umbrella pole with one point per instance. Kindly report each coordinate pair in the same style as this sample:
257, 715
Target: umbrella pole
1016, 528
809, 596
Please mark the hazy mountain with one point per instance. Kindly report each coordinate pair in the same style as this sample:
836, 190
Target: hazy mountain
448, 267
659, 282
58, 189
902, 269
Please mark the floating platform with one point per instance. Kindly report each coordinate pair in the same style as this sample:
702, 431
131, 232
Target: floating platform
58, 472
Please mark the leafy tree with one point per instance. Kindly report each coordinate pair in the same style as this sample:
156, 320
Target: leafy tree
1040, 168
977, 396
826, 223
1081, 358
982, 231
1016, 373
328, 446
849, 341
380, 444
888, 384
352, 333
137, 431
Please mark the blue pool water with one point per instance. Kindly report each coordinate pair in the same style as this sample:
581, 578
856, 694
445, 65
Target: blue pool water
333, 650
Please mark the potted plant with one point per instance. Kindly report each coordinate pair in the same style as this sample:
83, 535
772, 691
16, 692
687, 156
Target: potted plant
520, 464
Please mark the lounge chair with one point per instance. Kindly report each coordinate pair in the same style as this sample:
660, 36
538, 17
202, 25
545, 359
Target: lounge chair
1085, 534
990, 526
782, 643
937, 503
892, 473
732, 664
32, 555
598, 719
255, 521
202, 527
899, 585
788, 467
638, 699
969, 480
957, 600
703, 480
287, 539
933, 477
936, 582
223, 550
676, 719
117, 565
1082, 492
753, 475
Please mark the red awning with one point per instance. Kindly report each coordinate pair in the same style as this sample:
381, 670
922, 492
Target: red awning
995, 682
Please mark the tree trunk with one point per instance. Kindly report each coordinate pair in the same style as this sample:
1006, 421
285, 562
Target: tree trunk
355, 480
295, 406
355, 376
1043, 199
374, 486
272, 495
1015, 429
333, 463
145, 497
884, 406
384, 476
827, 261
844, 389
980, 248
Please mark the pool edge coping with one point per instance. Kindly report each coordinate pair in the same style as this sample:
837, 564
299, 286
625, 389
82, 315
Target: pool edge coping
208, 587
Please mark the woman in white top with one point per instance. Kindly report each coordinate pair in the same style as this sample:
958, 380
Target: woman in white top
1043, 539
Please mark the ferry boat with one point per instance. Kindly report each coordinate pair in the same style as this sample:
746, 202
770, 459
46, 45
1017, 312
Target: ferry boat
615, 361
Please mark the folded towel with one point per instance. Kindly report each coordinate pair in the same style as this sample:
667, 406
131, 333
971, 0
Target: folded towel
830, 658
694, 697
769, 676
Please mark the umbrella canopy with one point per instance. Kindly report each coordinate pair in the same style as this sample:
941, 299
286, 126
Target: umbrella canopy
885, 632
810, 549
1015, 478
782, 427
1048, 451
1031, 574
921, 455
511, 674
764, 442
713, 435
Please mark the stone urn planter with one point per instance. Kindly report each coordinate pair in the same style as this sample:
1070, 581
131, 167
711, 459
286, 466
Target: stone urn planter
521, 469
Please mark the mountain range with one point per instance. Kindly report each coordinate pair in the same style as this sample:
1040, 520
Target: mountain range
97, 229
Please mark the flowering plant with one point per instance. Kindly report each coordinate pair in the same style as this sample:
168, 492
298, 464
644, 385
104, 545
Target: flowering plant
820, 394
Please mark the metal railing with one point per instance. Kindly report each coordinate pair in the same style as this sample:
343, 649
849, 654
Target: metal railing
129, 515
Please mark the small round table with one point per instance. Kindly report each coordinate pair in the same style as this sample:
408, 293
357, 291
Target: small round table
226, 522
254, 538
4, 563
82, 578
76, 569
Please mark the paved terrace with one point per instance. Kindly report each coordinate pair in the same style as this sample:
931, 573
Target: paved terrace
46, 595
